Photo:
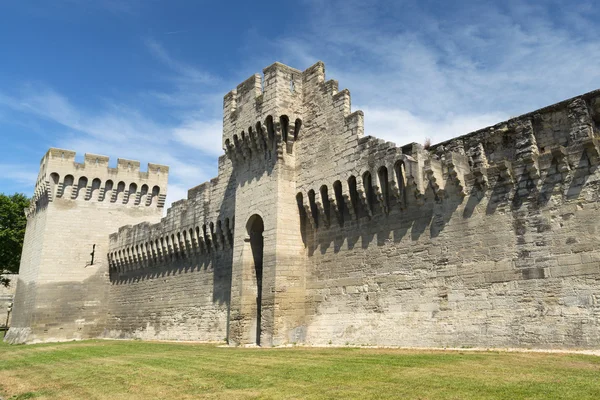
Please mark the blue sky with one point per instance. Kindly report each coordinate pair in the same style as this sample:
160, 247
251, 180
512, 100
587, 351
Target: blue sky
145, 79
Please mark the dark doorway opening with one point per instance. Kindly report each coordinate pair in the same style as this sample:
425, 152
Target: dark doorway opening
256, 228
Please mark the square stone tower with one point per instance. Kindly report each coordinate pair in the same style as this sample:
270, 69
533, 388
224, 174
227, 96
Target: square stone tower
260, 125
263, 119
63, 280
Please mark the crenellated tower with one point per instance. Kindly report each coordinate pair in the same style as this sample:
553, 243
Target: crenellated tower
269, 124
63, 278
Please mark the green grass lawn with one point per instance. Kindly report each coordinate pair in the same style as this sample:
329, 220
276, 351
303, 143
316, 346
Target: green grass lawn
146, 370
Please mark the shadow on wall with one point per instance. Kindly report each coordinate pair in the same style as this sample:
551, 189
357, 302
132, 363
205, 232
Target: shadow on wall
365, 223
81, 314
258, 150
362, 216
215, 256
218, 263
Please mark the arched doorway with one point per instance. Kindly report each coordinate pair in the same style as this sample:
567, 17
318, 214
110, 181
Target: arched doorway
255, 228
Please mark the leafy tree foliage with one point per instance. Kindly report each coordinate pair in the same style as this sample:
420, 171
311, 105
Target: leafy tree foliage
12, 233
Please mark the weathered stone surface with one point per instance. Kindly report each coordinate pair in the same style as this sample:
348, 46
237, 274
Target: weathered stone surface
7, 294
60, 294
488, 239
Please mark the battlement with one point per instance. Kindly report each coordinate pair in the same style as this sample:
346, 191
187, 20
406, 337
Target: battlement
94, 180
61, 158
145, 245
246, 107
518, 160
281, 91
265, 114
200, 226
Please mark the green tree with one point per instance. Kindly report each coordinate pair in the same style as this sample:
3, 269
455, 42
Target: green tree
12, 233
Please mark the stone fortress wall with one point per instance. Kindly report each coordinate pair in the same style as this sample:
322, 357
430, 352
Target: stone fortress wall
172, 279
314, 233
61, 294
7, 294
489, 239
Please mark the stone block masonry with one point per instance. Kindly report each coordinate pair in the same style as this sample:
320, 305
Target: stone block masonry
7, 294
314, 233
172, 279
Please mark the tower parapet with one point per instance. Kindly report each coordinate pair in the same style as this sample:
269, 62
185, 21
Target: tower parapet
94, 180
267, 114
254, 99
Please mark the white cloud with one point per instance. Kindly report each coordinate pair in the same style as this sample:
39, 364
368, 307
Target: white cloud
201, 134
22, 174
184, 72
403, 127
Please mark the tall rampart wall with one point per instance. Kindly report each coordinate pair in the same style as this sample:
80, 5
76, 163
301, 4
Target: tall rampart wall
489, 239
172, 279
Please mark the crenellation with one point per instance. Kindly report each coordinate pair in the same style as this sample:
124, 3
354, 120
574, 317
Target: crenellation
312, 78
179, 235
59, 154
247, 92
331, 88
95, 161
93, 180
457, 167
129, 166
580, 120
355, 124
591, 147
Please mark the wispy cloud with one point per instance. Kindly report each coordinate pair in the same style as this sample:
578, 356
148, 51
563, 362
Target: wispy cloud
116, 124
23, 175
201, 134
177, 32
444, 71
403, 127
113, 6
183, 72
193, 92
